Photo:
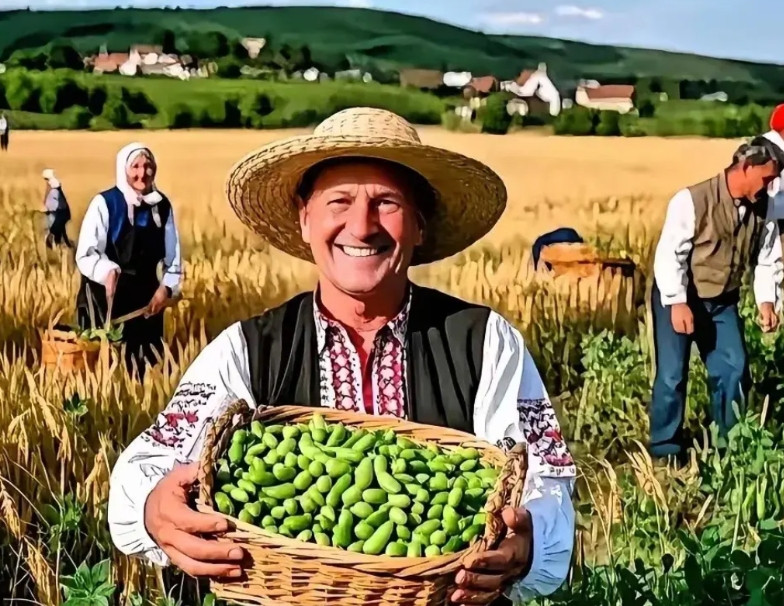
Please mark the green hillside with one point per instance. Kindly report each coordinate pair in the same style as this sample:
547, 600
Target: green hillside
378, 40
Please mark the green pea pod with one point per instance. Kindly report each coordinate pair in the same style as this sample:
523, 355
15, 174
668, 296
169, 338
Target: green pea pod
329, 512
337, 468
306, 535
378, 518
351, 496
451, 526
487, 473
303, 480
224, 503
363, 530
460, 483
408, 454
365, 443
378, 541
419, 467
441, 498
420, 538
298, 523
411, 488
322, 539
283, 473
480, 518
418, 508
396, 549
317, 527
399, 500
291, 506
361, 509
224, 473
239, 436
398, 516
374, 496
761, 497
363, 474
283, 530
453, 545
422, 496
429, 453
356, 546
388, 483
275, 429
245, 516
428, 528
290, 432
239, 495
399, 466
314, 494
434, 513
286, 446
455, 459
254, 453
475, 493
337, 436
270, 440
272, 457
317, 421
414, 549
319, 435
303, 462
268, 502
380, 464
394, 451
278, 512
281, 491
438, 482
383, 450
406, 444
455, 496
235, 452
248, 487
442, 466
316, 469
257, 429
342, 532
355, 436
404, 478
438, 538
262, 478
307, 504
348, 454
290, 460
324, 523
415, 518
403, 532
474, 483
432, 551
267, 520
340, 486
227, 488
470, 533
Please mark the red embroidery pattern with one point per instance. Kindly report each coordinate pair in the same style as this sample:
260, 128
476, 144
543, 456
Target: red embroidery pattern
544, 438
388, 375
344, 363
178, 422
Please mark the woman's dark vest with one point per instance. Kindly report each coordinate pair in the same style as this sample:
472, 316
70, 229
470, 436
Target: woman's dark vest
444, 348
137, 249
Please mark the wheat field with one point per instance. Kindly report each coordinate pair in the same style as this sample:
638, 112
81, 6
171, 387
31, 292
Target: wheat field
58, 455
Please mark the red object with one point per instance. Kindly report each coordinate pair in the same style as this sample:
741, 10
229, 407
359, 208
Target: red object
777, 119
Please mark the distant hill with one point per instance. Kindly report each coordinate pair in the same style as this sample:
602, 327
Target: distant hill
381, 40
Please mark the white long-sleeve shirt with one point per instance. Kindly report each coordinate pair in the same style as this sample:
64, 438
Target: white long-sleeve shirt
671, 261
511, 405
776, 189
91, 256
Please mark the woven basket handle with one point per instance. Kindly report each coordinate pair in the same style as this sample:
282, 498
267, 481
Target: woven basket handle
509, 491
208, 452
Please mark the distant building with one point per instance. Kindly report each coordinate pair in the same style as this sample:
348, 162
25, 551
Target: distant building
609, 97
457, 79
534, 90
253, 46
719, 96
480, 87
107, 63
425, 79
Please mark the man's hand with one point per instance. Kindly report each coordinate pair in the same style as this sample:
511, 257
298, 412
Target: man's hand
158, 302
486, 574
768, 318
682, 319
111, 284
175, 527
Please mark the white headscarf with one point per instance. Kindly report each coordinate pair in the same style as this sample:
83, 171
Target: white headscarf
125, 158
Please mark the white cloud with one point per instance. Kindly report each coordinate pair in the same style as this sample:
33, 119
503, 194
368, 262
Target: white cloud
513, 18
359, 3
570, 10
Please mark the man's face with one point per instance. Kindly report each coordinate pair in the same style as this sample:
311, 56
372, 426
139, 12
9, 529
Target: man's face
758, 179
362, 226
141, 173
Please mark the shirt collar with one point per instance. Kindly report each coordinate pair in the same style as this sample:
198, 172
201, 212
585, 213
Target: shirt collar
397, 326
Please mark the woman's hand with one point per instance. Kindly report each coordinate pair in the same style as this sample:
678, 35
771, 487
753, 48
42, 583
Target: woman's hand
487, 573
158, 302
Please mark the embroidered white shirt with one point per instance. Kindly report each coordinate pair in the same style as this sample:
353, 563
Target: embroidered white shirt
511, 405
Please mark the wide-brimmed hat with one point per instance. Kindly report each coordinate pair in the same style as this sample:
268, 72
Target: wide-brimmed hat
262, 186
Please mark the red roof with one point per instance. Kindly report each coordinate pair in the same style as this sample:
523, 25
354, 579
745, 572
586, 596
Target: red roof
611, 91
110, 61
524, 76
484, 84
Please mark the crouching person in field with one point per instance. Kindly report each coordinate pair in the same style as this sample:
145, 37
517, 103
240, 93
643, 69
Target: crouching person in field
364, 209
713, 233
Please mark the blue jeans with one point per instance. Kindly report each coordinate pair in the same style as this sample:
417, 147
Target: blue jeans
718, 334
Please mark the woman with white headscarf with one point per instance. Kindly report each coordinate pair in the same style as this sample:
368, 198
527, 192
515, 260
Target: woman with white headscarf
127, 231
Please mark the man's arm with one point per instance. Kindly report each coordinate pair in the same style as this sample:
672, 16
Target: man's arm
91, 256
769, 270
670, 265
218, 376
172, 261
512, 405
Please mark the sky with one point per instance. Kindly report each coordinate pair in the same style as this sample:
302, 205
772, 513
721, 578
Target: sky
719, 28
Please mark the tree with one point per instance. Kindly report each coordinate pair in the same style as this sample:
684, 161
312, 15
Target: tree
496, 119
64, 55
608, 125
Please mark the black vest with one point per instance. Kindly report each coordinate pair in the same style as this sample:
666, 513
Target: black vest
137, 248
444, 348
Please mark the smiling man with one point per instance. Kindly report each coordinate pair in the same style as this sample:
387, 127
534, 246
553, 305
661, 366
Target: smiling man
364, 200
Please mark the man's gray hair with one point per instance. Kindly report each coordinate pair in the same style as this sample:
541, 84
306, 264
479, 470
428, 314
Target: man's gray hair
759, 151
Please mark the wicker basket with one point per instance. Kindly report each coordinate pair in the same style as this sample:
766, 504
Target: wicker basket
580, 260
64, 350
287, 571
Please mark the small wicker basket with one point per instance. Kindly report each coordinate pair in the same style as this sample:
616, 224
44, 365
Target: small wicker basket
285, 572
578, 260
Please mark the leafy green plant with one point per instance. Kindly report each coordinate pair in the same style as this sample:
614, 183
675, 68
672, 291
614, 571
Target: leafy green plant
89, 586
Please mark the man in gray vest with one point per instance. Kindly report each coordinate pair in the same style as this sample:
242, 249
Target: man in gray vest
713, 233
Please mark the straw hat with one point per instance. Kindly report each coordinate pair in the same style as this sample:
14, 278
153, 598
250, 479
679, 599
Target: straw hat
262, 186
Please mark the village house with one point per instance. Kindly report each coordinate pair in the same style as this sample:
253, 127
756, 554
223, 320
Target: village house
253, 46
608, 97
457, 79
105, 62
480, 87
535, 93
424, 79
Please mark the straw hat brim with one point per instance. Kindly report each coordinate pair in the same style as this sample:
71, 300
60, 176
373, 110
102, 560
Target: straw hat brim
262, 187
